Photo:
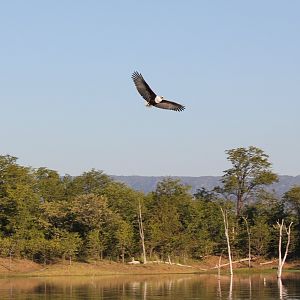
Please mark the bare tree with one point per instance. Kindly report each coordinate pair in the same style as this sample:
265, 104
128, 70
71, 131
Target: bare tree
141, 231
281, 260
249, 241
225, 219
219, 266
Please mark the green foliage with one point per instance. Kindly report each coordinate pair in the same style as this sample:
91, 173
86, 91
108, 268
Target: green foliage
54, 216
206, 226
292, 200
7, 246
250, 170
49, 185
46, 217
18, 201
95, 244
92, 182
261, 236
70, 244
123, 200
124, 237
165, 229
88, 212
262, 215
292, 197
169, 212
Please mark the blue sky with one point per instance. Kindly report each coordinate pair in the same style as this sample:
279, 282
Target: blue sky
68, 102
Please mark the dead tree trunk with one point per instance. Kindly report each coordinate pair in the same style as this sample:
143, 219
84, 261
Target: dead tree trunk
141, 231
225, 219
219, 267
123, 255
10, 259
233, 262
281, 260
249, 241
226, 229
169, 259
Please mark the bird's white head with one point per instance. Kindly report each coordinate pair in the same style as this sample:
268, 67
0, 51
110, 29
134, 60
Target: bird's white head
158, 99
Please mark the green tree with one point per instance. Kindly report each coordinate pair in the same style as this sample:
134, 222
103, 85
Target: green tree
7, 247
123, 200
292, 197
54, 217
261, 216
250, 170
88, 212
206, 226
18, 200
292, 201
95, 244
124, 237
261, 236
167, 219
165, 230
49, 185
91, 182
70, 244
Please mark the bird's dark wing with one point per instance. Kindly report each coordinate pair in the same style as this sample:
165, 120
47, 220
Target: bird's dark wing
165, 104
142, 87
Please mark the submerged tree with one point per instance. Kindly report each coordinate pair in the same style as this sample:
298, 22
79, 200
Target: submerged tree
226, 230
281, 260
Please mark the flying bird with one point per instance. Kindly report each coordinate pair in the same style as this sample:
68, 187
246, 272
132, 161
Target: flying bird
151, 98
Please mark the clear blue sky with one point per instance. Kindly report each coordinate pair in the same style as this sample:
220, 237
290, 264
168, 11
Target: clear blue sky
68, 102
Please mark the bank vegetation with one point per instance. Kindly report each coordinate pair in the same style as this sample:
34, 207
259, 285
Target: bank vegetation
47, 218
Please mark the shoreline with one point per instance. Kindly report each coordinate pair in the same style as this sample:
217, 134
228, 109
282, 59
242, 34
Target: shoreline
25, 268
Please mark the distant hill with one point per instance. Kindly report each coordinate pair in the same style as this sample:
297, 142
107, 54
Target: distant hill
147, 184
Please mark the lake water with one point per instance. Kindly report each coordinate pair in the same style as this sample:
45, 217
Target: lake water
175, 287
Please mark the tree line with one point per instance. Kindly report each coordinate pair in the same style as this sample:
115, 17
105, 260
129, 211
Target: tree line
46, 217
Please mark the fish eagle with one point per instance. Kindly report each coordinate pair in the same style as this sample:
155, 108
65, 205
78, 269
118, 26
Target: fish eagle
151, 98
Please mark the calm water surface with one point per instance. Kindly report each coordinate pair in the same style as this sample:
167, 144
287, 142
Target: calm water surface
175, 287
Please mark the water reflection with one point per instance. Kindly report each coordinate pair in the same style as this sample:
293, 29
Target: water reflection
282, 290
250, 288
230, 287
153, 287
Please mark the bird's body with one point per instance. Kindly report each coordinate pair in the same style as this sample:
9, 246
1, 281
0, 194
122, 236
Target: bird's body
151, 98
158, 99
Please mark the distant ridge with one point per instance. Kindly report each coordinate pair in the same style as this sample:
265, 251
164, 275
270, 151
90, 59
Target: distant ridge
148, 184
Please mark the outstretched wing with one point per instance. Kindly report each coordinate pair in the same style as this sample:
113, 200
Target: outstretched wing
165, 104
142, 87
